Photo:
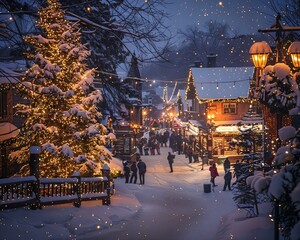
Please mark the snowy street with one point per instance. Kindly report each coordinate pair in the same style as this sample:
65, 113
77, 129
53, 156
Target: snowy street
174, 205
170, 206
85, 84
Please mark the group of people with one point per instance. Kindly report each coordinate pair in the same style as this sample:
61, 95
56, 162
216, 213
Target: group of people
153, 144
227, 176
157, 140
131, 171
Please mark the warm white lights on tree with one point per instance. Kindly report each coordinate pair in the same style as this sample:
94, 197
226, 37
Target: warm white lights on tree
62, 116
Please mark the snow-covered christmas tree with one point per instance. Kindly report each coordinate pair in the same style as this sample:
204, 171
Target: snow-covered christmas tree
61, 117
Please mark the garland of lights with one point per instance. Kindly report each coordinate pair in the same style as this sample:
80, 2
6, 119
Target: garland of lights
180, 80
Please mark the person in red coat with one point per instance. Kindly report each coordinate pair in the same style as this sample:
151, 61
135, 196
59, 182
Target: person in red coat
213, 174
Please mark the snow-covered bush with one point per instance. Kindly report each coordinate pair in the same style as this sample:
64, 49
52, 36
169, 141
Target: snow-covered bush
277, 88
283, 185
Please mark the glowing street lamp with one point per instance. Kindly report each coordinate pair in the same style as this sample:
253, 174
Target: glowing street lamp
294, 51
259, 53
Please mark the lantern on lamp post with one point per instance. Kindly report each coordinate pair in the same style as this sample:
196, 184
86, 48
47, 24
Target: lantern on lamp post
294, 51
259, 53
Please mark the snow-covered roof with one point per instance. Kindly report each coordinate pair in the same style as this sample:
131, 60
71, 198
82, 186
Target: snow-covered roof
134, 100
7, 131
232, 82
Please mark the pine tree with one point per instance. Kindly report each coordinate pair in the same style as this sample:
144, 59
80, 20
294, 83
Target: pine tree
62, 117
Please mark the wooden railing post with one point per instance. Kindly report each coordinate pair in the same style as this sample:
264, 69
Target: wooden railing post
34, 166
106, 174
77, 188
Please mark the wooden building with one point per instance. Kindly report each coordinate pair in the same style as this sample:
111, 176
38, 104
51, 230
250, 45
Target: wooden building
218, 99
9, 124
131, 129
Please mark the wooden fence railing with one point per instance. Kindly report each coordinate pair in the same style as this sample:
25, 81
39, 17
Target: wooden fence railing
23, 191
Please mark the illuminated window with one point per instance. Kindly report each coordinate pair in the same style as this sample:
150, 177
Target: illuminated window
3, 105
229, 108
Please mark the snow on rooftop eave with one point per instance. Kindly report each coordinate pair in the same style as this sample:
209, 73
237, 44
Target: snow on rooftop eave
233, 82
224, 98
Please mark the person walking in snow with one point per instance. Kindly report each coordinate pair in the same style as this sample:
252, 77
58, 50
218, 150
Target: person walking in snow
226, 164
171, 161
133, 169
189, 153
157, 146
126, 170
227, 179
140, 145
213, 174
146, 149
142, 170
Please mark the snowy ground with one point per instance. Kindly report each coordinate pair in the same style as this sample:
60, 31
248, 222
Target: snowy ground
170, 206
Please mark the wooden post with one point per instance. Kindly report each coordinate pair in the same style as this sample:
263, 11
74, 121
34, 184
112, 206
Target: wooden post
106, 173
34, 164
34, 167
77, 189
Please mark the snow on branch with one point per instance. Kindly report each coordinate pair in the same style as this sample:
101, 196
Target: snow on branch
86, 80
41, 39
39, 126
93, 98
80, 159
51, 89
50, 147
66, 150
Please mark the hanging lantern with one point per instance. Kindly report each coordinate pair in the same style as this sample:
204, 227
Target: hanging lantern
294, 51
259, 52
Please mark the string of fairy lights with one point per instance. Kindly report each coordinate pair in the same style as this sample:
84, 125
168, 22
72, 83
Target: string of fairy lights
176, 81
202, 83
179, 80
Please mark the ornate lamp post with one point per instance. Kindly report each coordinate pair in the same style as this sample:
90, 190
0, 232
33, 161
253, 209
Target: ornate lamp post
259, 52
256, 51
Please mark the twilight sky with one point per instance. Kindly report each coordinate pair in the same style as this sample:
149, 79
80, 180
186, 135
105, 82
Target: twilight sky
243, 16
